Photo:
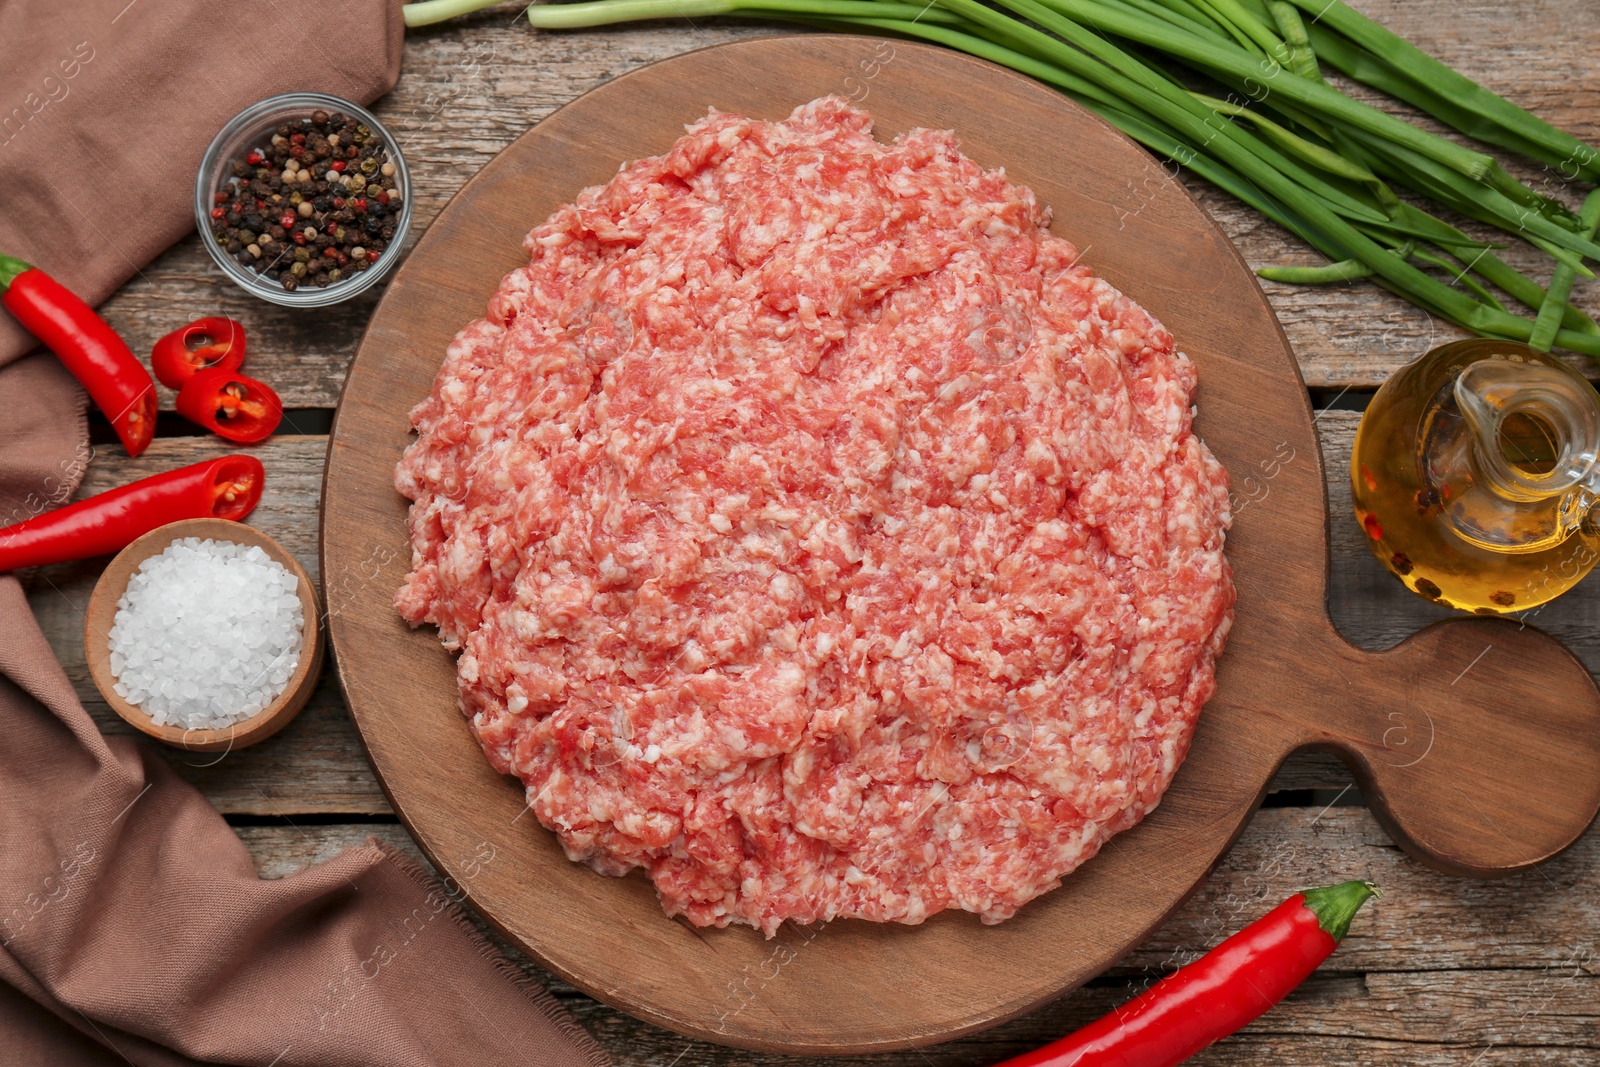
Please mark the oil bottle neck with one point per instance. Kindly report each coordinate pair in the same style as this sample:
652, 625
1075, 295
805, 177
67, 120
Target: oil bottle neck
1535, 429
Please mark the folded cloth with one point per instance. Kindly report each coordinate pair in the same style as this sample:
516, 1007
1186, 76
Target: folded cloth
108, 106
133, 927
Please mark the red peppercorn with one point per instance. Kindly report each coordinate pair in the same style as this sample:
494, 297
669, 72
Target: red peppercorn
217, 213
299, 237
344, 260
287, 220
337, 165
297, 138
359, 205
382, 198
222, 198
331, 253
261, 205
255, 159
298, 151
331, 228
338, 202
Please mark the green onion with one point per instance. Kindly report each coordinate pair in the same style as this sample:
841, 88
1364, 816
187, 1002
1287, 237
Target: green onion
1555, 301
1346, 270
1302, 59
1439, 81
1283, 141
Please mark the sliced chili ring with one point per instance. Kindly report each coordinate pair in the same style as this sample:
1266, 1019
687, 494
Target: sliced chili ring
235, 486
210, 343
231, 405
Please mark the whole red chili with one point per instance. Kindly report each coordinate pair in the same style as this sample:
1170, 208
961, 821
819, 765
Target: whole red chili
230, 404
216, 341
115, 379
225, 488
1222, 991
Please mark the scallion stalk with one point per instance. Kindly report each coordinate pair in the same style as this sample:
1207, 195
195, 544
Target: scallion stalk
1287, 144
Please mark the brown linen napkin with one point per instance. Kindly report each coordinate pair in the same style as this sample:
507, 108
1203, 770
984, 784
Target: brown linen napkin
133, 928
106, 107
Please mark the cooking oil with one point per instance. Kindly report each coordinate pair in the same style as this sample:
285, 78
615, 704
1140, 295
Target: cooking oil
1475, 477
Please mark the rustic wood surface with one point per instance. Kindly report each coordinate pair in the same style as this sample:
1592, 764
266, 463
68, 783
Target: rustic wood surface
1442, 971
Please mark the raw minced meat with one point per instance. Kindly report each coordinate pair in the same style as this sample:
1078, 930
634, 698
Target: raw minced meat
818, 534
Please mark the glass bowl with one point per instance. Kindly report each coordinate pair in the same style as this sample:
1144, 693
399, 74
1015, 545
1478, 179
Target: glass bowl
253, 128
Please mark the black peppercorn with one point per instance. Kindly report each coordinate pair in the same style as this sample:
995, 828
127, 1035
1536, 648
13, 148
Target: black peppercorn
348, 207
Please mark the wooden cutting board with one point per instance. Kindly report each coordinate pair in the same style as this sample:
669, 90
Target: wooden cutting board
1477, 742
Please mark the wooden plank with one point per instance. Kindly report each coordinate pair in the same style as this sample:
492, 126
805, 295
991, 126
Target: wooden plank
1439, 971
318, 765
471, 86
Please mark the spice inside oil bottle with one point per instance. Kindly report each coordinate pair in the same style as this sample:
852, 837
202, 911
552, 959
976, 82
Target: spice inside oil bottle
1474, 476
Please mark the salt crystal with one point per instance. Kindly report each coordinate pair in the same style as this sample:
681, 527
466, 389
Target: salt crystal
207, 634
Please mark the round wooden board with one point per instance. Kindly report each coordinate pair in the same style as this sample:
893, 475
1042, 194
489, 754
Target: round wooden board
1476, 742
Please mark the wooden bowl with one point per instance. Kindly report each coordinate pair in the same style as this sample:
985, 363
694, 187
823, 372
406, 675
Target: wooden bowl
103, 609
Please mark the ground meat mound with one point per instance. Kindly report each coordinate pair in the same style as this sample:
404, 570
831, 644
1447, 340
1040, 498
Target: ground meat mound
817, 533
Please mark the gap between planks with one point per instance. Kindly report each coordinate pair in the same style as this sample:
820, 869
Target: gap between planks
318, 765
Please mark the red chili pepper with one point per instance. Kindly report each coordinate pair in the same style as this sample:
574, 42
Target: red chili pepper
239, 408
221, 343
1222, 991
226, 488
87, 346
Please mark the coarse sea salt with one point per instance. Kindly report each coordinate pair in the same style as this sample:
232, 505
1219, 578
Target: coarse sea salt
207, 634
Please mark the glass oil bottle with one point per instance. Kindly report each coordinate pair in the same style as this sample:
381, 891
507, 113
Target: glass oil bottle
1475, 476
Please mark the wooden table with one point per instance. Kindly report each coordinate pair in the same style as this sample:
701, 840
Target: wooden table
1441, 971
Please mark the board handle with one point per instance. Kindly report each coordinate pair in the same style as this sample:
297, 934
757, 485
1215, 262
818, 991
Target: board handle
1476, 742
